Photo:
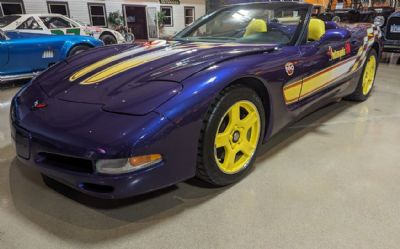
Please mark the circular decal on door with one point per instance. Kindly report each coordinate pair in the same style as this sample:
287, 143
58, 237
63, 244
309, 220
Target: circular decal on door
289, 67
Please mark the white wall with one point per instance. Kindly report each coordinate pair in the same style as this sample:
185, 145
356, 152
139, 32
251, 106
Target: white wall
79, 9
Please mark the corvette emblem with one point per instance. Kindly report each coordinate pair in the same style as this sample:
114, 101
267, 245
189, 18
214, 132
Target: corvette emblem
289, 67
38, 105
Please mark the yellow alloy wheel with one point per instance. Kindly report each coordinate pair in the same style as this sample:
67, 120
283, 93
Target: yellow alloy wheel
369, 75
237, 137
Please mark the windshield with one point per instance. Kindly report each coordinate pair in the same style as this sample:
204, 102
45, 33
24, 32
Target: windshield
6, 20
254, 23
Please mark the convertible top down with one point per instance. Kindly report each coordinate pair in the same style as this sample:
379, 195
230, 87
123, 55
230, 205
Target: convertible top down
123, 120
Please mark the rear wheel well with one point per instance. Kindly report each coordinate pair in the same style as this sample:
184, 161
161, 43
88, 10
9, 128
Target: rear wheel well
258, 86
107, 33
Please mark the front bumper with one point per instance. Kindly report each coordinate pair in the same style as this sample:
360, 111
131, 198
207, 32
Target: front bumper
33, 138
391, 46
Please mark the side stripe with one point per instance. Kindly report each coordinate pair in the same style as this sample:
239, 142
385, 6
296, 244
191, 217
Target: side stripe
327, 76
317, 81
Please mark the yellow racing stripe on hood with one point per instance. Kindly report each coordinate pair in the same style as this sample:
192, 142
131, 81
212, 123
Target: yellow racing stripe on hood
103, 62
127, 65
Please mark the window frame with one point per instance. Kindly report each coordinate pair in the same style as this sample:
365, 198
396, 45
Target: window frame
19, 2
58, 3
26, 20
184, 14
104, 11
73, 25
172, 14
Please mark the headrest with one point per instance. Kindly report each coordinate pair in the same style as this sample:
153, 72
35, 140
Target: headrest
255, 26
316, 29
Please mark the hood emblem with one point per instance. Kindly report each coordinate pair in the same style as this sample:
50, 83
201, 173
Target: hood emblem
38, 105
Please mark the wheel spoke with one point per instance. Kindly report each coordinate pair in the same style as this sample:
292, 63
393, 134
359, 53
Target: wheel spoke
222, 140
230, 156
234, 114
249, 120
247, 148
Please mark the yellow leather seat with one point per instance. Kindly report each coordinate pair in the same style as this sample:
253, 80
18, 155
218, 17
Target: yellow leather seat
316, 29
256, 26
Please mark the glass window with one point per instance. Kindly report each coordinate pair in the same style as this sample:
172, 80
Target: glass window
270, 23
168, 16
12, 8
58, 8
30, 23
189, 15
97, 14
7, 20
55, 22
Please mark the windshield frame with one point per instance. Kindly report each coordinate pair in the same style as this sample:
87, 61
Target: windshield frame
274, 5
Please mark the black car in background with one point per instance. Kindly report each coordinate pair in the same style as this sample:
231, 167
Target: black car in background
384, 16
390, 27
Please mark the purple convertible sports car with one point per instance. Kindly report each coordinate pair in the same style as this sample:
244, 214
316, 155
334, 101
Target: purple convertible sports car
122, 120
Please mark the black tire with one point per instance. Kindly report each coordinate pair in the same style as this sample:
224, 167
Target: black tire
207, 168
358, 94
108, 39
77, 50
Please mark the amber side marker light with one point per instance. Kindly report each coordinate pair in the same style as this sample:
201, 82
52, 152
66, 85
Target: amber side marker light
121, 166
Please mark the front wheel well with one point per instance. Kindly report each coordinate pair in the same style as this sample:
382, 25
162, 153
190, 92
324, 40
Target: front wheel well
258, 86
79, 44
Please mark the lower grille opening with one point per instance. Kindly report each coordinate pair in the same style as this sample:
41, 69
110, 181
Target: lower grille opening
96, 188
65, 162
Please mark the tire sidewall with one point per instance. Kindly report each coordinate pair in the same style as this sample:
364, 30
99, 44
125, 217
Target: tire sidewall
237, 93
360, 83
77, 50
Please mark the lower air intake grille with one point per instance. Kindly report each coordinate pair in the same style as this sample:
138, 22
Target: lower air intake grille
65, 162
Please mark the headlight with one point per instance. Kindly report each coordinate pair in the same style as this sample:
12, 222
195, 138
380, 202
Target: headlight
127, 165
379, 21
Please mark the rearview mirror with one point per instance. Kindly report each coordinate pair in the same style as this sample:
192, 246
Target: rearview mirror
332, 35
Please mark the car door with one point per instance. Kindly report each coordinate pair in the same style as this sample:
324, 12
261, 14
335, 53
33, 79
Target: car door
59, 25
325, 63
32, 54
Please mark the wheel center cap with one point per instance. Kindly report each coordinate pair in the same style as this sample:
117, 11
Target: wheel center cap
236, 136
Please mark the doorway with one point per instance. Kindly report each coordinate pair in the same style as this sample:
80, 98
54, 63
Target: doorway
136, 20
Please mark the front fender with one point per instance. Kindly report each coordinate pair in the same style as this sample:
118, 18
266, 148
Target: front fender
69, 44
201, 89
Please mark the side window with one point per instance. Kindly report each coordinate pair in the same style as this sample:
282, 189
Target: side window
55, 22
30, 23
168, 16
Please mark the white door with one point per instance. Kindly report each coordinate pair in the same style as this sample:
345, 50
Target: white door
152, 23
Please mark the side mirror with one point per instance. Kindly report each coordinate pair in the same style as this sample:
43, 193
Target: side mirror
332, 35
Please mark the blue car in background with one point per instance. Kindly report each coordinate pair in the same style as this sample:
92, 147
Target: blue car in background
24, 55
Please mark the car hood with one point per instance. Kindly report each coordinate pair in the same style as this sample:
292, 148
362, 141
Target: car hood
124, 76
